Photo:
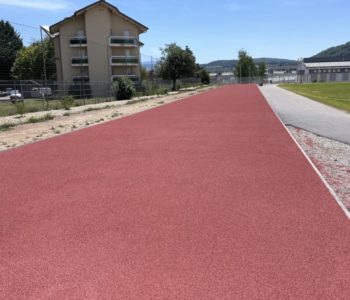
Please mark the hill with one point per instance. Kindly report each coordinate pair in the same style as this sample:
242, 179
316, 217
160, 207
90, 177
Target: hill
340, 51
228, 65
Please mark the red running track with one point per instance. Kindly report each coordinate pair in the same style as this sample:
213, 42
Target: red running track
205, 198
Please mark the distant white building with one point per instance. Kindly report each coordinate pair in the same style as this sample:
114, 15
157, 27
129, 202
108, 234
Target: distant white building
324, 69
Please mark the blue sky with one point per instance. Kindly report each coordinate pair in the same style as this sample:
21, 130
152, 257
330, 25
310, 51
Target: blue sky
212, 29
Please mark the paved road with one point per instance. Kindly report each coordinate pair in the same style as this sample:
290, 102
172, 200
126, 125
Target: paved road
307, 114
192, 200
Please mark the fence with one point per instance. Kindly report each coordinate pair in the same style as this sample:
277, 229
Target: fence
39, 95
324, 77
275, 79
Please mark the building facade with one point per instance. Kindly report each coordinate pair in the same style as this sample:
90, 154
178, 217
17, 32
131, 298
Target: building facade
323, 69
97, 44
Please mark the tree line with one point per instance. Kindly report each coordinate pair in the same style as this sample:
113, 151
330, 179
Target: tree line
20, 62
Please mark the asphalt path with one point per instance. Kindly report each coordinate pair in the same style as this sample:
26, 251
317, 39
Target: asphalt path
304, 113
203, 198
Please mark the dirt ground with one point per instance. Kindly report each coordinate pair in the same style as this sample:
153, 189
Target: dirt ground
80, 117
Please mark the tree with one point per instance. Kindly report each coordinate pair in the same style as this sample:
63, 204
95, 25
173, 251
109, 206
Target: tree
261, 69
203, 75
245, 66
29, 61
10, 44
176, 63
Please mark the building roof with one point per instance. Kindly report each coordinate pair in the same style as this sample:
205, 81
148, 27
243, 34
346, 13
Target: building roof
325, 59
338, 64
55, 27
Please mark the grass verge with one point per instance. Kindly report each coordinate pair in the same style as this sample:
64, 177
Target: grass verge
330, 93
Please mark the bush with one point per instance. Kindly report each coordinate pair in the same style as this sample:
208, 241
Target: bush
67, 102
123, 88
162, 91
204, 76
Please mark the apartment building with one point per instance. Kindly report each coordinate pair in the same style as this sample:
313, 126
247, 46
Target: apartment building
96, 44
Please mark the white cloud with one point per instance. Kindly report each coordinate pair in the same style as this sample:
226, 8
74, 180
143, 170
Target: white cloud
37, 4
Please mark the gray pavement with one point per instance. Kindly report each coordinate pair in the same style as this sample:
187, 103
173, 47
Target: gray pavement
301, 112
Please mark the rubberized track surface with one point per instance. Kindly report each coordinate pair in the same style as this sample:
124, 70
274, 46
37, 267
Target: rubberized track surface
205, 198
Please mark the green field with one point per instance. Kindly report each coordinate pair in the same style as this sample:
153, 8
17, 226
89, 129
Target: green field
333, 94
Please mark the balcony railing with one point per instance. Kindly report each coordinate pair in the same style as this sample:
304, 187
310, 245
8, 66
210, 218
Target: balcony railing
78, 42
124, 61
123, 41
80, 61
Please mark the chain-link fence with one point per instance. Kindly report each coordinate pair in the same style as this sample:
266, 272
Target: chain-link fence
324, 77
270, 79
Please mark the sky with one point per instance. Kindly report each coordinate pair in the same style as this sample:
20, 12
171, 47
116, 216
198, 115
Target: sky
212, 29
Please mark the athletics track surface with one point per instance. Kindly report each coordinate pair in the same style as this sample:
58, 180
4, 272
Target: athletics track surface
204, 198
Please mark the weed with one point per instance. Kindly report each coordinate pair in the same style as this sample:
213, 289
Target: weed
97, 108
20, 109
137, 101
7, 126
44, 118
67, 102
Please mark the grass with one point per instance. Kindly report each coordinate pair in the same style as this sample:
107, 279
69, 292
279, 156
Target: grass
97, 108
332, 94
32, 105
47, 117
7, 126
130, 102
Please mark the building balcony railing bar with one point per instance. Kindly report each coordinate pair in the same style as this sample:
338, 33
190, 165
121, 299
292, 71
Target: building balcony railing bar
80, 61
78, 42
124, 60
123, 41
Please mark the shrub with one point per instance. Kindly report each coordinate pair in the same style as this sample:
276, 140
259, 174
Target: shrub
123, 88
162, 91
67, 102
204, 76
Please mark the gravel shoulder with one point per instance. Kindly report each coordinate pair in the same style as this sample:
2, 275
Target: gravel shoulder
331, 158
80, 117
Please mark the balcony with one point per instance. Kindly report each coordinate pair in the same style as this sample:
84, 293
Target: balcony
123, 41
78, 41
124, 61
80, 61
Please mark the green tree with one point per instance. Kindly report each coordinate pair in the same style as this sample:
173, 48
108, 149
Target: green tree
245, 66
29, 61
261, 69
176, 63
10, 44
203, 75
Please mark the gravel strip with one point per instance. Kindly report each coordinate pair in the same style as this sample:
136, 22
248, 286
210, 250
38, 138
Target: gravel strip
332, 159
